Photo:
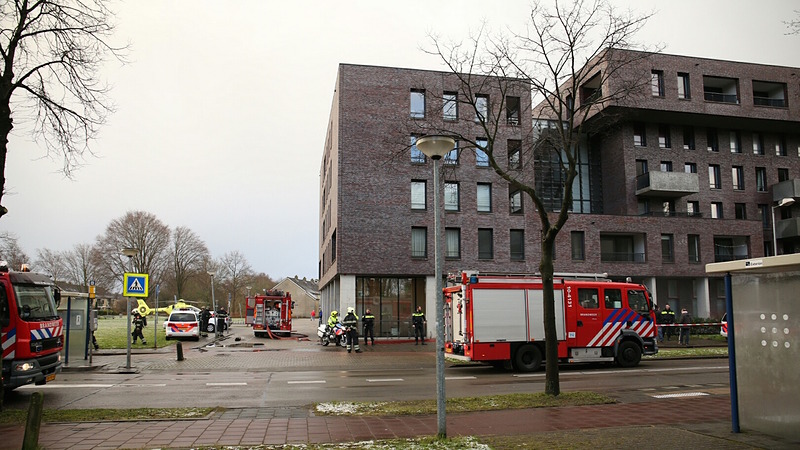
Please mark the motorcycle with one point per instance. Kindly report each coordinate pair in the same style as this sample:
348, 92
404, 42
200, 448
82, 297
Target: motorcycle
335, 335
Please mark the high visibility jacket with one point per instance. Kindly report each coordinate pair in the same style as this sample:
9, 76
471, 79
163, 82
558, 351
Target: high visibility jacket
368, 320
417, 318
668, 316
332, 321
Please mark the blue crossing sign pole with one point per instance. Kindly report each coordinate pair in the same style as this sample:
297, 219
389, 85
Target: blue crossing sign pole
133, 285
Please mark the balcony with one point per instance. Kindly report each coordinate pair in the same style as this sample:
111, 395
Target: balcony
722, 90
731, 248
622, 248
667, 184
787, 228
784, 189
766, 93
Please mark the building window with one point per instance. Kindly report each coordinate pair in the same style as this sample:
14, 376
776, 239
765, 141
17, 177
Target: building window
666, 166
684, 91
761, 179
736, 142
512, 110
712, 140
515, 200
688, 138
452, 156
690, 167
481, 158
692, 208
485, 243
766, 93
740, 210
418, 196
764, 212
716, 210
667, 248
451, 196
418, 103
758, 144
484, 197
517, 239
481, 107
667, 208
639, 135
419, 242
514, 154
664, 140
714, 177
780, 146
641, 167
783, 175
453, 241
718, 89
657, 83
694, 248
578, 246
450, 106
737, 173
417, 156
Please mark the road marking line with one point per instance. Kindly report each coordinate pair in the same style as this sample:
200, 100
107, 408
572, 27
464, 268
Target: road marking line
383, 380
307, 382
682, 394
56, 386
227, 384
528, 375
140, 385
460, 378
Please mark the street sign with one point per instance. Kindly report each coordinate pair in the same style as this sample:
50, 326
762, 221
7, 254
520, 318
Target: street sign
136, 285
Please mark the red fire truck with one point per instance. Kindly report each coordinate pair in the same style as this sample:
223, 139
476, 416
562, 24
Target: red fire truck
31, 328
272, 313
499, 319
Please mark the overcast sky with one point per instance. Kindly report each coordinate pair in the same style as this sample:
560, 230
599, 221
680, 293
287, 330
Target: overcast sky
222, 110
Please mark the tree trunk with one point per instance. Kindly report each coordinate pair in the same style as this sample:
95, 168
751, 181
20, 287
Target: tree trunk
6, 125
551, 383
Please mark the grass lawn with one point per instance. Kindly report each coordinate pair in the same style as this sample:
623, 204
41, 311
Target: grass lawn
112, 333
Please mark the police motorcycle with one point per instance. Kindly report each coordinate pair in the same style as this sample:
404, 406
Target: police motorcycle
336, 335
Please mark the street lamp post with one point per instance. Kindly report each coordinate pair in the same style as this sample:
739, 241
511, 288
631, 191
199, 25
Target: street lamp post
435, 147
130, 253
786, 201
214, 305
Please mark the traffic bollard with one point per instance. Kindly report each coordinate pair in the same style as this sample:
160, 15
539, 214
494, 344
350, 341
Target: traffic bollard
179, 346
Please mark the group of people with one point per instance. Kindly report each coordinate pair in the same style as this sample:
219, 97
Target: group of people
350, 322
667, 317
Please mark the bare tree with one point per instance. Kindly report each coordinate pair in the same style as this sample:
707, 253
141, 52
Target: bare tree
235, 274
140, 230
11, 252
188, 253
51, 262
52, 51
81, 267
566, 48
794, 24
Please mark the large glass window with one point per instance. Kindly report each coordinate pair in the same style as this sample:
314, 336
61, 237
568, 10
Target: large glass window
391, 300
418, 195
453, 240
417, 103
484, 197
419, 242
485, 243
517, 245
451, 196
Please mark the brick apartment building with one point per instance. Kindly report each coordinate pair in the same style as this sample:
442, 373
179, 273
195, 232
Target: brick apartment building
688, 175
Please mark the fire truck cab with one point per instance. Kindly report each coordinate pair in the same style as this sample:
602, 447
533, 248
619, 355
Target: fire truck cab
499, 319
272, 313
31, 328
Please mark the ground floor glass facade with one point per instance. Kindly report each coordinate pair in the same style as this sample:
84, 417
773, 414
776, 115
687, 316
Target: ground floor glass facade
392, 300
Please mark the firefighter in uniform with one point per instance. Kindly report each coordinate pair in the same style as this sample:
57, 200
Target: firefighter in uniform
667, 318
350, 323
139, 322
418, 322
369, 327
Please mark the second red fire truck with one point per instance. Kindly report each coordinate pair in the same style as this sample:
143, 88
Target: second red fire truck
272, 313
498, 319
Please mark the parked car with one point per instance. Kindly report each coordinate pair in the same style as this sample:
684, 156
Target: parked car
723, 330
224, 321
183, 324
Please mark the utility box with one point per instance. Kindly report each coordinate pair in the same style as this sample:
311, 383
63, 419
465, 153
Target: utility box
766, 342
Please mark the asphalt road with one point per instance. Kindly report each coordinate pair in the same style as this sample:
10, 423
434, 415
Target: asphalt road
255, 372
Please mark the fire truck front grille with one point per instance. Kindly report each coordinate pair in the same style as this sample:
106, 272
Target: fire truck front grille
45, 344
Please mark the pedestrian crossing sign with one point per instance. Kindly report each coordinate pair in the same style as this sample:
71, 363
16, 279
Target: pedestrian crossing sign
136, 285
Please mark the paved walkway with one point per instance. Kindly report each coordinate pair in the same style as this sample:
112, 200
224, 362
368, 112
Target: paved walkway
702, 422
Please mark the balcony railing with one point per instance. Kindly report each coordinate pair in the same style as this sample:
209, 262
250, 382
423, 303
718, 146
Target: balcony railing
695, 215
622, 257
722, 98
726, 258
766, 101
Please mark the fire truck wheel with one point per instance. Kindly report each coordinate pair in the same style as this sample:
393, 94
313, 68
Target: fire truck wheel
528, 358
629, 354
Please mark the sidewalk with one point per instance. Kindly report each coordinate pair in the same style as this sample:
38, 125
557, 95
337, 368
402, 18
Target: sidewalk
698, 422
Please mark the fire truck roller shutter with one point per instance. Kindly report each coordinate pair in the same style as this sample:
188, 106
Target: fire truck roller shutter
497, 314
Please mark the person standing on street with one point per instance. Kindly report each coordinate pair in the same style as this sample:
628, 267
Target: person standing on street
418, 322
685, 320
667, 318
369, 327
139, 323
205, 315
350, 323
313, 314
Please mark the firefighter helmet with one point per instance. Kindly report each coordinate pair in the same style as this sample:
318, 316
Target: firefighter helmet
350, 309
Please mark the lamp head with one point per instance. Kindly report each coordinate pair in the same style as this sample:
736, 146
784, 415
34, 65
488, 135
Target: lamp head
786, 202
435, 146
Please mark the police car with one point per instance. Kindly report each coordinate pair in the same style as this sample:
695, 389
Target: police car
183, 323
723, 330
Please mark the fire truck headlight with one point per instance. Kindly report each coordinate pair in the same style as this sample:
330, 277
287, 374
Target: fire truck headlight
24, 367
